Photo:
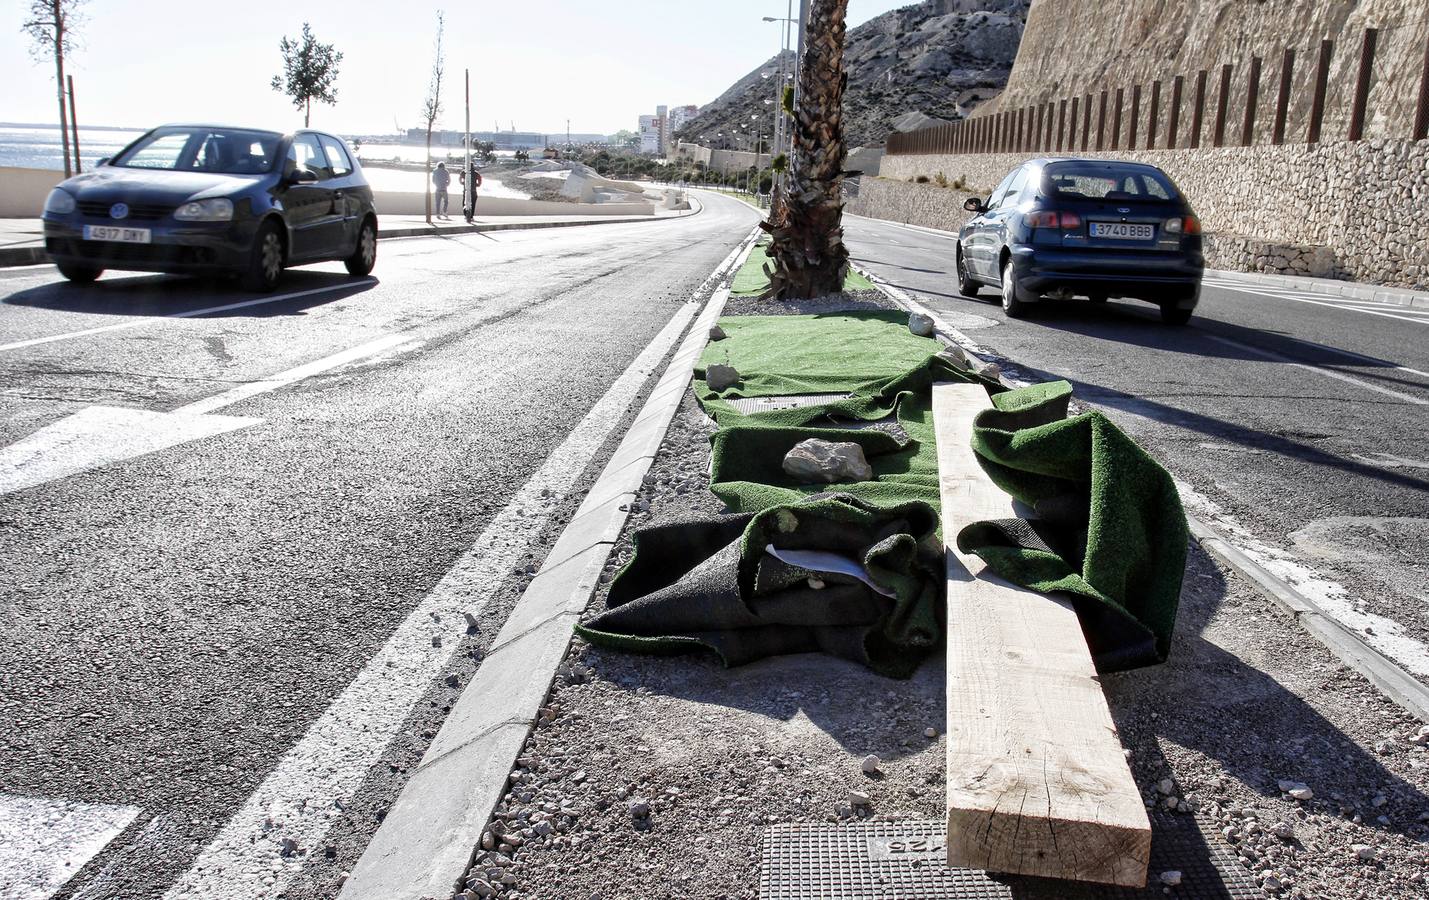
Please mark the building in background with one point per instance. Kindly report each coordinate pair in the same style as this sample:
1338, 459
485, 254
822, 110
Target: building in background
650, 135
657, 131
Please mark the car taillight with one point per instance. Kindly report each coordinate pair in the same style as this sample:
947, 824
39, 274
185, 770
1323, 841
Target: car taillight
1188, 225
1047, 218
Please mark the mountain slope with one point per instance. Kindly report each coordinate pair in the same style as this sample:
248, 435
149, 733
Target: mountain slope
939, 57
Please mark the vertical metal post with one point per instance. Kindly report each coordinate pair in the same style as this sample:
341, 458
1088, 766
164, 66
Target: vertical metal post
1177, 85
1357, 112
73, 124
1317, 102
1252, 99
1198, 111
1086, 120
1051, 123
1116, 123
1421, 110
1017, 132
1101, 121
1223, 97
1154, 116
1135, 116
1061, 122
1282, 97
1072, 126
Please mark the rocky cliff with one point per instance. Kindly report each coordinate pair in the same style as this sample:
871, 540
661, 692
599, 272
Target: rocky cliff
940, 58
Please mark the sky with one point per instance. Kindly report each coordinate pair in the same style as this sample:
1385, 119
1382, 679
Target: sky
140, 63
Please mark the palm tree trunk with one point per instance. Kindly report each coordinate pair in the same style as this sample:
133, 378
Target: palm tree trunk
807, 249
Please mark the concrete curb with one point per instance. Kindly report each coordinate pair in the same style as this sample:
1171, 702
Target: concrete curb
1393, 681
1329, 287
430, 834
26, 256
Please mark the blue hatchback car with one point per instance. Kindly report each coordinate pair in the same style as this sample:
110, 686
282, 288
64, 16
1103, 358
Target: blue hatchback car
208, 199
1057, 228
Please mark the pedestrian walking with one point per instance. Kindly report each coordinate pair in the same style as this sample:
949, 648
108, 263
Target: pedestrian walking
441, 180
470, 181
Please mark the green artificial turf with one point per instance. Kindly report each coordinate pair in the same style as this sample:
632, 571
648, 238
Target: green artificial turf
1108, 530
750, 280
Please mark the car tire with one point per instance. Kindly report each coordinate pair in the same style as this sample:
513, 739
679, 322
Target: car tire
265, 263
966, 285
79, 273
1013, 303
364, 256
1171, 314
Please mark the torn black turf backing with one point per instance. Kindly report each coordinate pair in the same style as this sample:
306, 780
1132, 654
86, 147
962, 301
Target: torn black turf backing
1108, 528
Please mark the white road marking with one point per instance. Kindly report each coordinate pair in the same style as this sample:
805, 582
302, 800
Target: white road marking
1385, 635
100, 435
1299, 298
188, 314
44, 842
300, 797
1329, 373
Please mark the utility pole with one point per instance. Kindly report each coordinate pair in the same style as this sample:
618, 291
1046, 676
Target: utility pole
468, 192
73, 123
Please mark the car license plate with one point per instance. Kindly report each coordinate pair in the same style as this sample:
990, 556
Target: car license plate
1125, 231
116, 233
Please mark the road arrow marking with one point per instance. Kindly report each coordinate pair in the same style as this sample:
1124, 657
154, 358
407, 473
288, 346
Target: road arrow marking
44, 842
100, 435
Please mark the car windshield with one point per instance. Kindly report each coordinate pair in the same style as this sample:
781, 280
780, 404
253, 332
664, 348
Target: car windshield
223, 151
1105, 181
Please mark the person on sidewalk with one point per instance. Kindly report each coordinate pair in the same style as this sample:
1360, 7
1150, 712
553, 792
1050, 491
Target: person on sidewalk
441, 180
470, 181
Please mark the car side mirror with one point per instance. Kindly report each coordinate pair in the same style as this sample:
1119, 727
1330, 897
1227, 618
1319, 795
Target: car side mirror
302, 176
974, 205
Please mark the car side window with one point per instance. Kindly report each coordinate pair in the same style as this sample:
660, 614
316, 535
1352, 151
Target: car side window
337, 158
995, 199
1014, 190
306, 154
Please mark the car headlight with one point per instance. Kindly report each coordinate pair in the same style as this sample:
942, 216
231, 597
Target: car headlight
219, 210
59, 202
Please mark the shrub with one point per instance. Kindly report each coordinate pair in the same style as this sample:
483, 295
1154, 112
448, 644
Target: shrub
960, 182
941, 180
921, 179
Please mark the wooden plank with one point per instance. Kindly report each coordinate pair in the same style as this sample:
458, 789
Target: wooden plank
1037, 781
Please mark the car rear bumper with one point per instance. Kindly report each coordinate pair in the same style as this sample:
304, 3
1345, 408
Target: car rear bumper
1153, 276
194, 249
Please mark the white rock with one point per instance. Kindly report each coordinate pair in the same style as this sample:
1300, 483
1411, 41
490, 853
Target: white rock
1171, 877
1301, 793
816, 584
1166, 786
719, 377
1365, 852
1283, 831
920, 324
930, 732
815, 460
1421, 737
870, 764
859, 798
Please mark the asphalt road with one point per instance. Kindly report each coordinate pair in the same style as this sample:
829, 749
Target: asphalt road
1299, 423
174, 621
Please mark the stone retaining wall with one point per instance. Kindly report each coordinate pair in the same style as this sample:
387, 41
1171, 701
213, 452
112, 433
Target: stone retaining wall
1356, 210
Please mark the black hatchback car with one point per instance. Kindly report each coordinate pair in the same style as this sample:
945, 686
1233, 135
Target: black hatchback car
1055, 228
207, 199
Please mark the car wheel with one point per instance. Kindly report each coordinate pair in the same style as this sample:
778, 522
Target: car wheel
1012, 302
966, 285
1172, 314
364, 257
79, 273
265, 265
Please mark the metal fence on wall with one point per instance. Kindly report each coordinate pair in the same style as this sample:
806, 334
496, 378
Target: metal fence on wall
1173, 113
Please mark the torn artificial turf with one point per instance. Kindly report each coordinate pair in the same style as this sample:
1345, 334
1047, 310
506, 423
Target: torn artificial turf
1109, 530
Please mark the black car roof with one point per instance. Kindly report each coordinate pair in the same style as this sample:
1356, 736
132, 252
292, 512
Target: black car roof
1048, 160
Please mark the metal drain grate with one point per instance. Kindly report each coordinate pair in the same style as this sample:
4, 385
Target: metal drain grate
749, 405
904, 861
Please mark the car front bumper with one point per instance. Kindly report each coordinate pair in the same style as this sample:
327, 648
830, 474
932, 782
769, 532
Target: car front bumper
173, 247
1156, 276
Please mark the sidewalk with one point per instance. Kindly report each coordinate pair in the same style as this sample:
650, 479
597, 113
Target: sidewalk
22, 240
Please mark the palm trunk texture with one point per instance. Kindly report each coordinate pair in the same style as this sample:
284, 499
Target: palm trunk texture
806, 248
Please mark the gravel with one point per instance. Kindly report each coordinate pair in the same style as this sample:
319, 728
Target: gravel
1315, 782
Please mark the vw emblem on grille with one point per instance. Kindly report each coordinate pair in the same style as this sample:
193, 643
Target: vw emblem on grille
119, 211
1120, 209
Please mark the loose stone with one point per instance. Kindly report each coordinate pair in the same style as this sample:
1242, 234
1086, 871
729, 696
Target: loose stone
870, 764
719, 377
